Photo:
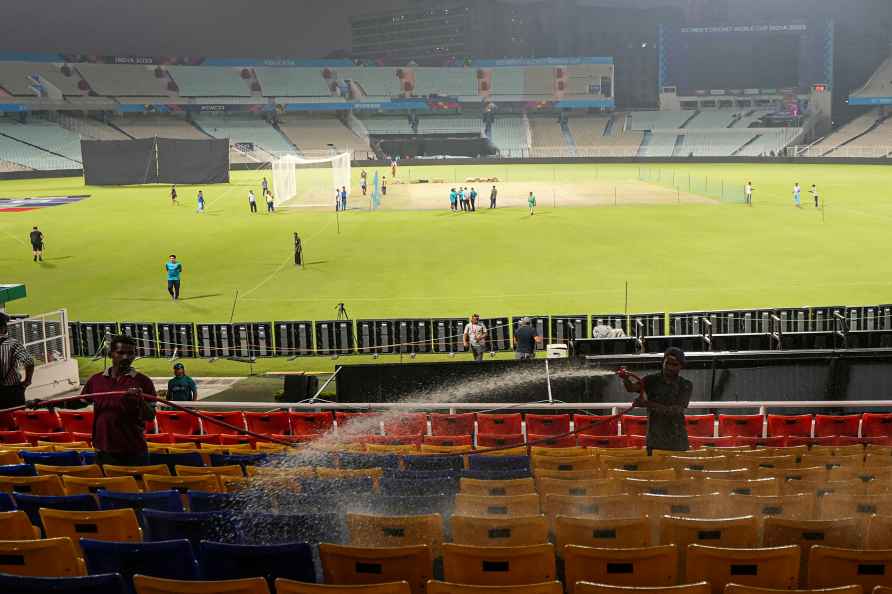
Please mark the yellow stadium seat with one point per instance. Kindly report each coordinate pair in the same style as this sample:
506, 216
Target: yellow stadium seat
144, 584
882, 590
859, 506
498, 531
880, 487
435, 587
136, 472
775, 567
347, 565
841, 532
50, 557
831, 567
877, 458
832, 461
838, 450
498, 566
183, 484
771, 462
508, 505
635, 453
48, 484
646, 566
590, 588
234, 484
802, 473
740, 532
9, 458
91, 470
26, 447
75, 485
579, 488
80, 446
570, 475
698, 463
598, 532
606, 506
731, 473
539, 451
427, 448
797, 451
680, 486
288, 472
698, 506
284, 586
374, 448
396, 531
643, 463
763, 486
740, 589
865, 473
520, 486
113, 524
802, 506
228, 470
15, 525
567, 464
655, 474
879, 532
824, 487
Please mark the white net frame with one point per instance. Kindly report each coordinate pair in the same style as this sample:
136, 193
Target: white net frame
286, 176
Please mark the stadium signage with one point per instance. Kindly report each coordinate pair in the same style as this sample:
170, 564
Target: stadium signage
542, 62
13, 107
798, 28
133, 60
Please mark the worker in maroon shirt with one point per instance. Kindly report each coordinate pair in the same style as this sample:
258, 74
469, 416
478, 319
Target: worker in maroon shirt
119, 421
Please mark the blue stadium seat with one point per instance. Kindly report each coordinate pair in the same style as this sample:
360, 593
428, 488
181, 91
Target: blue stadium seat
338, 487
395, 486
293, 561
6, 502
161, 500
301, 503
31, 504
69, 458
353, 460
499, 463
172, 460
422, 474
261, 528
495, 475
200, 501
434, 463
17, 470
195, 527
110, 583
171, 559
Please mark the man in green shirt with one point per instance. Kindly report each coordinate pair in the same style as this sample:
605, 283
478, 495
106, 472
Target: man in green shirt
181, 388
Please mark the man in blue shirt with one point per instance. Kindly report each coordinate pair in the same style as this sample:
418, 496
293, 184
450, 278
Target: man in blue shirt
181, 387
174, 269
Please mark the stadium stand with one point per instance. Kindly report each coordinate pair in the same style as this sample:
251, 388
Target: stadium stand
507, 82
713, 143
659, 144
511, 135
659, 120
387, 125
768, 141
292, 82
208, 81
588, 130
878, 85
547, 133
458, 124
538, 81
119, 80
39, 145
844, 135
87, 127
875, 142
14, 78
454, 82
245, 129
748, 118
163, 126
372, 82
713, 119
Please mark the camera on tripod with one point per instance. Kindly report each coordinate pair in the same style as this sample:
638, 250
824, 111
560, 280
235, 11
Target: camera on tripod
342, 312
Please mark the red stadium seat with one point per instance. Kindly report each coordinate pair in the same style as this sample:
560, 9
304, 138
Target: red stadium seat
461, 424
365, 423
75, 421
837, 425
7, 422
605, 441
876, 425
788, 425
741, 425
12, 437
548, 424
268, 423
551, 441
304, 423
159, 438
634, 425
712, 442
495, 440
171, 421
55, 437
499, 424
37, 421
196, 439
406, 424
448, 440
596, 424
700, 425
233, 417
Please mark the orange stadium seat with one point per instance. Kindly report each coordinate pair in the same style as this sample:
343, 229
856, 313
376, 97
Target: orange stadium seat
774, 567
171, 421
830, 567
500, 424
396, 531
233, 417
837, 425
634, 425
436, 587
458, 424
596, 425
700, 425
495, 440
303, 423
49, 557
551, 441
789, 425
876, 425
37, 421
284, 586
152, 585
15, 525
741, 425
348, 565
646, 566
498, 566
499, 531
448, 440
602, 532
75, 421
698, 588
268, 423
547, 424
406, 424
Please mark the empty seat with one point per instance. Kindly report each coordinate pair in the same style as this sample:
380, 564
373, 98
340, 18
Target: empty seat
829, 567
775, 567
876, 425
303, 423
37, 421
603, 506
508, 505
183, 484
700, 425
841, 532
680, 487
88, 470
75, 485
499, 424
408, 424
348, 565
75, 421
547, 424
699, 506
551, 441
789, 425
568, 464
171, 421
829, 425
162, 500
152, 585
435, 587
740, 589
499, 440
741, 425
519, 486
50, 557
268, 423
579, 488
114, 524
109, 583
498, 566
602, 532
171, 559
52, 458
698, 588
459, 424
234, 417
498, 463
220, 561
596, 424
801, 506
194, 526
136, 472
32, 504
763, 486
291, 587
229, 470
646, 566
634, 425
431, 442
15, 525
740, 532
17, 470
396, 531
499, 531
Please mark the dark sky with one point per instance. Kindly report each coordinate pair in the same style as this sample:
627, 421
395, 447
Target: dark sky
222, 28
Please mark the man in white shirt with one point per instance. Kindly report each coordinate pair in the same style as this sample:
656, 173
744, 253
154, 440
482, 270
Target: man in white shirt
252, 201
475, 337
748, 192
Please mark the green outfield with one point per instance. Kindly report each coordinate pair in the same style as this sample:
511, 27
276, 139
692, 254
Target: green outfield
105, 254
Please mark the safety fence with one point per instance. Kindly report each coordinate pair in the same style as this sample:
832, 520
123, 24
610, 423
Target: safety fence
701, 185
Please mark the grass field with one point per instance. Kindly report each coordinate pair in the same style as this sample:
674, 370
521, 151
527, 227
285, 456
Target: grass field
105, 254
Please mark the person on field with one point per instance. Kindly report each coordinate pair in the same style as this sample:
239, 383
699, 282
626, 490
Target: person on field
797, 195
270, 205
343, 198
174, 269
36, 237
200, 201
665, 395
474, 337
748, 193
252, 201
813, 192
264, 187
531, 203
473, 198
525, 340
363, 183
173, 195
492, 197
119, 421
453, 200
181, 387
384, 185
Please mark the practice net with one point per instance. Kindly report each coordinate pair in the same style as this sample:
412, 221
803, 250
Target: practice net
306, 181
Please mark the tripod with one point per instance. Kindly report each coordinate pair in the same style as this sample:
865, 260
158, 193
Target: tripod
342, 312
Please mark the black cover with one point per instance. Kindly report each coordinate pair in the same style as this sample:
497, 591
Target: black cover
155, 160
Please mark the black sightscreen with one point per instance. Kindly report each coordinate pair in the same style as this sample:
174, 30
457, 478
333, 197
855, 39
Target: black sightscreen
155, 160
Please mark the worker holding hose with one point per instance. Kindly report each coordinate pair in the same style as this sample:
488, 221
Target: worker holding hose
665, 395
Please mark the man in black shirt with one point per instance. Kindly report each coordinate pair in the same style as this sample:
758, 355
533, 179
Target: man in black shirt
525, 340
37, 244
665, 395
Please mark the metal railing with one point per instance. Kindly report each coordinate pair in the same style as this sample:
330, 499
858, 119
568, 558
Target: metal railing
842, 152
45, 336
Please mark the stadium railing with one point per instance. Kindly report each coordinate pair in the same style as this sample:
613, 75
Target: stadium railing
843, 152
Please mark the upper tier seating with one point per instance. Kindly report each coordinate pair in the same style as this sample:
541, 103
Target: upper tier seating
245, 129
124, 80
712, 119
14, 78
510, 133
150, 125
714, 143
508, 81
46, 135
209, 81
843, 135
659, 144
547, 133
880, 84
768, 140
375, 82
388, 125
879, 138
659, 120
461, 82
292, 82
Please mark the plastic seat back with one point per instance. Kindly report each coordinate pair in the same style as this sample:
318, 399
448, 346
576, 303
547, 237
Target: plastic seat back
396, 531
406, 424
37, 421
268, 423
603, 425
647, 566
698, 588
500, 424
498, 566
17, 470
172, 421
221, 561
32, 504
741, 425
183, 484
77, 485
50, 557
108, 583
75, 421
840, 532
492, 531
347, 565
740, 532
830, 567
519, 486
310, 423
152, 585
169, 559
15, 525
114, 524
598, 532
829, 425
192, 526
291, 587
234, 417
789, 425
508, 505
547, 424
459, 424
498, 463
774, 567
